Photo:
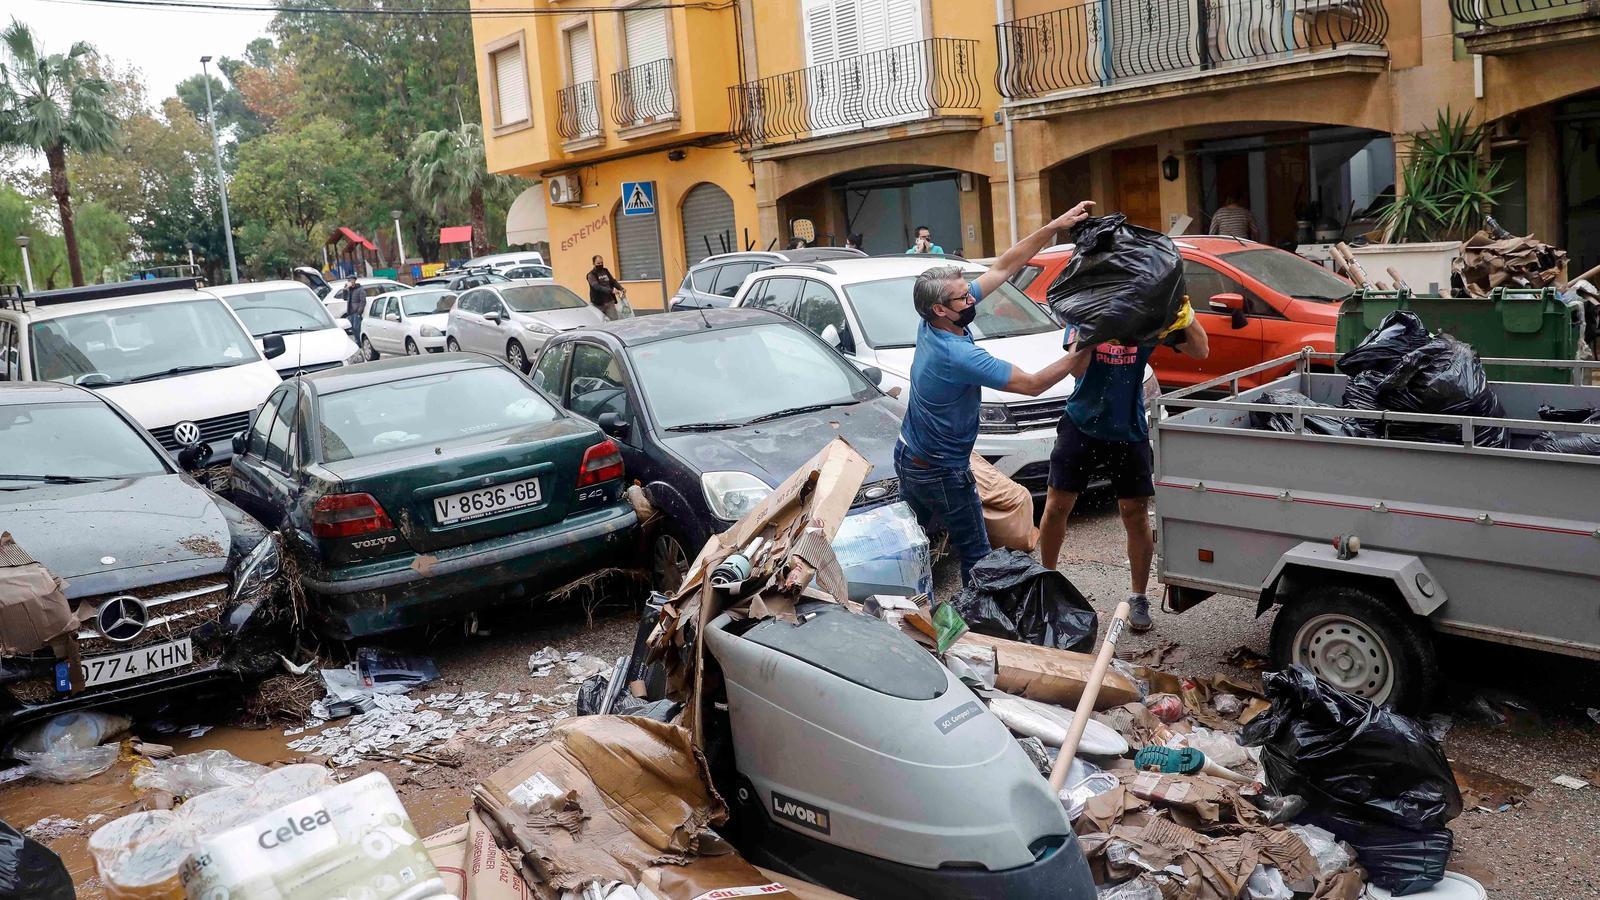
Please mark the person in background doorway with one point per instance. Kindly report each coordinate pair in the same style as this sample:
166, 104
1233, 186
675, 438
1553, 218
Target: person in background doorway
1105, 432
1234, 220
949, 371
605, 292
924, 242
355, 309
853, 242
798, 243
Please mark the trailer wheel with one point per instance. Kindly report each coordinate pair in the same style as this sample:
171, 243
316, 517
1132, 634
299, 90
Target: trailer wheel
1351, 638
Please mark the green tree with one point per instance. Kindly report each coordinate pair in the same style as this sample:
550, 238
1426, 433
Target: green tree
312, 178
449, 177
54, 104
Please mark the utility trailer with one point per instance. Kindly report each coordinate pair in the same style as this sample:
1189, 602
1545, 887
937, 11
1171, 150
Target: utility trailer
1373, 545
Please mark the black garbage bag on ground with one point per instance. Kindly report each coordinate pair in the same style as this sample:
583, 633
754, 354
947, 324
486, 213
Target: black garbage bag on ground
1442, 376
592, 695
31, 871
1568, 441
1012, 596
1400, 860
1271, 421
1124, 283
1399, 333
1347, 756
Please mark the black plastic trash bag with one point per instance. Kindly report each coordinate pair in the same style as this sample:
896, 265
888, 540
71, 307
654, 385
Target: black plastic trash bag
1399, 860
1349, 757
1399, 333
592, 695
1124, 283
1271, 421
1361, 392
1012, 596
31, 871
1568, 441
1549, 413
1445, 377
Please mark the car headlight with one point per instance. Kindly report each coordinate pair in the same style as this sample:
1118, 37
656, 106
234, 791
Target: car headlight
537, 327
731, 495
259, 567
430, 331
356, 357
995, 417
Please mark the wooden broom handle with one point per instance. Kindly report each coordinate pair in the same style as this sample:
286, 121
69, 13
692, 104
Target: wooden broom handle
1091, 693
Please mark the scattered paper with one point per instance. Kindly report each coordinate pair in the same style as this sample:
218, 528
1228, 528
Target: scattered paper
1567, 781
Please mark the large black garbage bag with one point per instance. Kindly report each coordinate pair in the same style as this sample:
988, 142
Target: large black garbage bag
1549, 413
1012, 596
1568, 441
1271, 421
1442, 376
1399, 860
1349, 757
1361, 392
1381, 350
31, 871
592, 695
1124, 283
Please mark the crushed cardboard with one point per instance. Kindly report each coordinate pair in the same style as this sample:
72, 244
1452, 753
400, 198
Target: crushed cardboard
1516, 262
448, 851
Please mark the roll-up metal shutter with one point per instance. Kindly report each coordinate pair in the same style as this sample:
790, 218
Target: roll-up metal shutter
510, 85
638, 246
645, 33
707, 222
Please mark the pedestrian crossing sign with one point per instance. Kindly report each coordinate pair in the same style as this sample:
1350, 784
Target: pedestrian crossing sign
638, 198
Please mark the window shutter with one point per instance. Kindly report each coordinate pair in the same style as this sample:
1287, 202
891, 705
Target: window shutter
510, 85
645, 31
638, 247
903, 21
707, 220
580, 54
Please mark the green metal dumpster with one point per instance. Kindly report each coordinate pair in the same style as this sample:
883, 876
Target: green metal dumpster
1531, 323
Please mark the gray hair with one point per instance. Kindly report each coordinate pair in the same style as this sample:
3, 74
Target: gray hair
930, 288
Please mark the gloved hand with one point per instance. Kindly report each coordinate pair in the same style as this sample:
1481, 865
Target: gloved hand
1184, 320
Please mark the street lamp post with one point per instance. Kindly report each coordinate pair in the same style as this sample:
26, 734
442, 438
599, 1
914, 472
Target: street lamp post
27, 270
400, 243
222, 184
189, 245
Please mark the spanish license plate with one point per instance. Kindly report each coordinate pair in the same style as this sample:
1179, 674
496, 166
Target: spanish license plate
114, 667
452, 508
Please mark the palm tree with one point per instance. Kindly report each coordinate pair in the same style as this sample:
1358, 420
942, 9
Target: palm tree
53, 104
449, 175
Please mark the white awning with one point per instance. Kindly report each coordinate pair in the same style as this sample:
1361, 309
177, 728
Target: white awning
526, 221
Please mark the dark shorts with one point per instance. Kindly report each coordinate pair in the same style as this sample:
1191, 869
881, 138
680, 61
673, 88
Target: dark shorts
1079, 458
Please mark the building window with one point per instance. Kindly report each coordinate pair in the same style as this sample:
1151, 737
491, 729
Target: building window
509, 70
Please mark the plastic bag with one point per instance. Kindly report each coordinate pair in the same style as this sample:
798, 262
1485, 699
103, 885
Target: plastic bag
1273, 421
1400, 860
1330, 855
1168, 708
1442, 376
1549, 413
29, 870
1266, 883
1381, 350
592, 695
1124, 283
1218, 747
884, 551
1361, 392
1346, 756
1012, 596
197, 773
66, 762
1568, 441
83, 729
1141, 888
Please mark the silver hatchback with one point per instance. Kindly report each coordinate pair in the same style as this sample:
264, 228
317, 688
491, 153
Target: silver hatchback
513, 320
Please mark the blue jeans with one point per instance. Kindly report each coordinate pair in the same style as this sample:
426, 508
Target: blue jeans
355, 328
945, 499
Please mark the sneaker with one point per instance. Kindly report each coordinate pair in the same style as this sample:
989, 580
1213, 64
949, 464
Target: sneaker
1139, 613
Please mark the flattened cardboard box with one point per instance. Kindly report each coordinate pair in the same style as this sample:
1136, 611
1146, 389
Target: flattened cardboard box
1050, 675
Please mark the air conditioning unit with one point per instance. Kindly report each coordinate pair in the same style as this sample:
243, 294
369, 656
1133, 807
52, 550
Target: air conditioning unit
565, 190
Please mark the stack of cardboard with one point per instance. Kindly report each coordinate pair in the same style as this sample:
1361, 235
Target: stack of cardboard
1517, 262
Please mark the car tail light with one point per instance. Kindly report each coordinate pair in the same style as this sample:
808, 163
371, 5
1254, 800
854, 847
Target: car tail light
347, 515
602, 462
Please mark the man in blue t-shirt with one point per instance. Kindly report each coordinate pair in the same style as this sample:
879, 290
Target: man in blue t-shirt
1104, 432
948, 375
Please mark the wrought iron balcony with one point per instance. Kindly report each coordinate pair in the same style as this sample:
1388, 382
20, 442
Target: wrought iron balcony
1100, 43
905, 83
644, 94
579, 111
1493, 13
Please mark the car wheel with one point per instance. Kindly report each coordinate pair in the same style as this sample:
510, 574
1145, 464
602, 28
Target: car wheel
669, 563
367, 349
412, 349
1356, 641
451, 345
517, 356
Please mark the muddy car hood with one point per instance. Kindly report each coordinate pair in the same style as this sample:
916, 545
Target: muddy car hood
773, 450
157, 528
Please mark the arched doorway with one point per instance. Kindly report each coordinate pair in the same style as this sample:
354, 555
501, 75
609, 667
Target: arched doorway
708, 226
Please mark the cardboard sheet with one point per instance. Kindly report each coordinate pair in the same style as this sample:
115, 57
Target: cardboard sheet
1050, 675
448, 850
723, 877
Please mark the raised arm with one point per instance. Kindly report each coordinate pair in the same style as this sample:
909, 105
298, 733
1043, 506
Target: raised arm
1025, 249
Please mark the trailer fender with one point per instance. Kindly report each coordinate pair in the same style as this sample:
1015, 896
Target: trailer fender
1422, 592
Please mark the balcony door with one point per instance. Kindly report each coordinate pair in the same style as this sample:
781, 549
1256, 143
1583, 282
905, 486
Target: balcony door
867, 64
583, 98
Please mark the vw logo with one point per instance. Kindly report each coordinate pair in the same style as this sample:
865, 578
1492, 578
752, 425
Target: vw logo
122, 619
186, 433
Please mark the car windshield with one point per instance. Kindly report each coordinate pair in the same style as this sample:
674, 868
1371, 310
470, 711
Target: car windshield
280, 311
733, 375
889, 318
1289, 274
425, 411
70, 441
422, 303
139, 343
530, 298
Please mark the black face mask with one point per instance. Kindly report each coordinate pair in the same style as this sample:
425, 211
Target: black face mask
965, 317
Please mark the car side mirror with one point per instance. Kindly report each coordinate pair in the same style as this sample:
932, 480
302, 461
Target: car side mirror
391, 317
272, 346
1227, 302
612, 424
493, 316
241, 443
343, 323
873, 373
195, 456
830, 333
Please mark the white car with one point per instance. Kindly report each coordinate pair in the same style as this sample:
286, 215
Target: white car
863, 308
175, 358
338, 306
512, 321
313, 340
499, 261
410, 322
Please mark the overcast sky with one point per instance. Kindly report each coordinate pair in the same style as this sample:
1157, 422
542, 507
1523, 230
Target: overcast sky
166, 44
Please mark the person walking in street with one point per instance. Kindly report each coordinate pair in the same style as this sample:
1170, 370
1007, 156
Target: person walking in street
355, 308
605, 292
924, 243
948, 374
1234, 220
1104, 432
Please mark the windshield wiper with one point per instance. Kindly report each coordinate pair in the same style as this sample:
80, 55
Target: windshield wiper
797, 410
58, 479
178, 370
706, 426
287, 331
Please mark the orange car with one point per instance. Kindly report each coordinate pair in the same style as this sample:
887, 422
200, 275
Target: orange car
1256, 303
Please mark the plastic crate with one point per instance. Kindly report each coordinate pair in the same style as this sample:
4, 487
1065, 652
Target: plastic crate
1521, 323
